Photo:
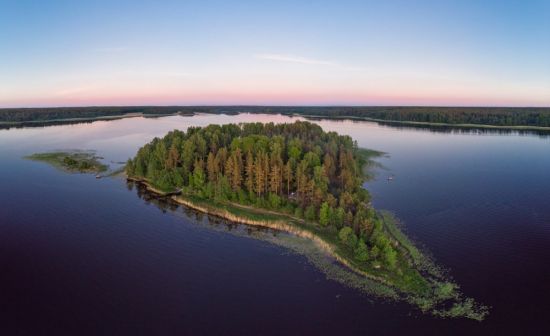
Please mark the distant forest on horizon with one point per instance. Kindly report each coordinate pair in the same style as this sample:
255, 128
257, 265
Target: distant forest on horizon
496, 116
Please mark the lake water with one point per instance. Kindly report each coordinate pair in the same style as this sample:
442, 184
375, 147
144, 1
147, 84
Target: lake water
81, 256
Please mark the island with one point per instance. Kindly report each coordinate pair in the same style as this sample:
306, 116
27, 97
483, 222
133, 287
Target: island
297, 178
76, 161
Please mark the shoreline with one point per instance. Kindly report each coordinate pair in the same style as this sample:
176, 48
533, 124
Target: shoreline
38, 123
279, 225
425, 123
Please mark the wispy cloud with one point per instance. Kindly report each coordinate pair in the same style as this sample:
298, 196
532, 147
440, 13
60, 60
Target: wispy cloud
305, 60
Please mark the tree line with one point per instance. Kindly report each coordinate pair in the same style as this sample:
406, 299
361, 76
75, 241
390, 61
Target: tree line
498, 116
293, 168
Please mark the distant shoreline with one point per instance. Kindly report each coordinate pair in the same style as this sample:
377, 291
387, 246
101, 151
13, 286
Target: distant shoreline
62, 121
422, 123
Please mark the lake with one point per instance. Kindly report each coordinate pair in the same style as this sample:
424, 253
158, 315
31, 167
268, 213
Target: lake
80, 255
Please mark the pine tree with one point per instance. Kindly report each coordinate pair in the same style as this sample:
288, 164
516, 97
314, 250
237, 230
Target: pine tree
212, 167
266, 170
275, 180
173, 158
229, 170
221, 159
237, 169
259, 176
250, 172
330, 168
288, 176
234, 171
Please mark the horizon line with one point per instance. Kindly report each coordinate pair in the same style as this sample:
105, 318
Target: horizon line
278, 105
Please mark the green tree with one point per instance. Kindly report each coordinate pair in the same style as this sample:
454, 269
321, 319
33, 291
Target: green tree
130, 168
347, 236
361, 252
324, 214
198, 177
339, 216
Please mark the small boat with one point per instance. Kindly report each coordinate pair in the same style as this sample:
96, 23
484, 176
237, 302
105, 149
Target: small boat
98, 176
390, 178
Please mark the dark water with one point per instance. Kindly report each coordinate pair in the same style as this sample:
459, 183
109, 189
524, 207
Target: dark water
85, 256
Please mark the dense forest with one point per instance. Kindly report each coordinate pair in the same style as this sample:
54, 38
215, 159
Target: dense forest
497, 116
294, 168
56, 113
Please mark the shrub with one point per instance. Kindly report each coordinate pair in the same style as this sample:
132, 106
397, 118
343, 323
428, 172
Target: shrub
375, 252
445, 290
289, 209
242, 195
274, 201
310, 213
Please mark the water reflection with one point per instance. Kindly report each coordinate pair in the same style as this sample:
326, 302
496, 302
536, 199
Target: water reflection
166, 204
450, 129
467, 130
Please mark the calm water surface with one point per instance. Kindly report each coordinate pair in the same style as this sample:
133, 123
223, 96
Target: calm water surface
85, 256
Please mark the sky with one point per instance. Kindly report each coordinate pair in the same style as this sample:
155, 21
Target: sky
444, 53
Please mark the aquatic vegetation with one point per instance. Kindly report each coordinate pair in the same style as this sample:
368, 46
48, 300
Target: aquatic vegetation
73, 161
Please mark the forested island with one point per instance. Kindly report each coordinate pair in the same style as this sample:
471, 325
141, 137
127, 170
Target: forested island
298, 178
503, 117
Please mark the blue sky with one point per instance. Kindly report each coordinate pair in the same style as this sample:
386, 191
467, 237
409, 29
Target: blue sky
483, 53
